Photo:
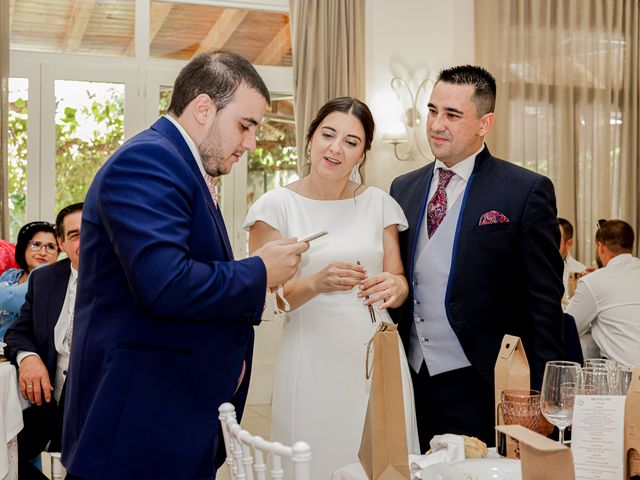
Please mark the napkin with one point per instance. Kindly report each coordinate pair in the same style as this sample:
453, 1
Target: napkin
444, 449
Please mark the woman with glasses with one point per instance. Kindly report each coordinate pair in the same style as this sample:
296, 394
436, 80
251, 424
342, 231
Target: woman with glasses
347, 280
36, 246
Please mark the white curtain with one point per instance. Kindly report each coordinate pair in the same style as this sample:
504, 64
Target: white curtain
568, 100
328, 57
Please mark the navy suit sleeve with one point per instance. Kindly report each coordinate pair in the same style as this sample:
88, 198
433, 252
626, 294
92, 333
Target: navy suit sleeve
20, 336
146, 204
543, 267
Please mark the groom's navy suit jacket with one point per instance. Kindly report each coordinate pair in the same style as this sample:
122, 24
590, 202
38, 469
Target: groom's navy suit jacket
163, 322
505, 277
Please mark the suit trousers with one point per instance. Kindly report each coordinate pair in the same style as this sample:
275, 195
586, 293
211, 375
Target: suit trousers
42, 426
460, 402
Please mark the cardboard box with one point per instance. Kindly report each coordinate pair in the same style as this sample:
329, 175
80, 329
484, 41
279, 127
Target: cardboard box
541, 458
511, 372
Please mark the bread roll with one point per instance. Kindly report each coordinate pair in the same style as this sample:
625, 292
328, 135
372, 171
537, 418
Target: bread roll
474, 447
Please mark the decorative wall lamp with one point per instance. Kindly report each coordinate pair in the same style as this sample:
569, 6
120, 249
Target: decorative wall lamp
406, 130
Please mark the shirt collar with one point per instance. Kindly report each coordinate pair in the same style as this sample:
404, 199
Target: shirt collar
622, 258
190, 143
463, 169
74, 273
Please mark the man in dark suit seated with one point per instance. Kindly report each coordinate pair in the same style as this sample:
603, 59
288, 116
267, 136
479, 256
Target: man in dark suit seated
481, 256
38, 344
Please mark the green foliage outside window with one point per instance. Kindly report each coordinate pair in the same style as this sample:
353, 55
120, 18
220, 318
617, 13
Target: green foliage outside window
78, 159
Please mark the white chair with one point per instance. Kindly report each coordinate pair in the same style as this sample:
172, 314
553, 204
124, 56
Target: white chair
246, 453
58, 471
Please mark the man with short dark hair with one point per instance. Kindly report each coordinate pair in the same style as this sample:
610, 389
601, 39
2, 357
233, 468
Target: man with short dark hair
608, 299
164, 315
39, 342
481, 256
571, 265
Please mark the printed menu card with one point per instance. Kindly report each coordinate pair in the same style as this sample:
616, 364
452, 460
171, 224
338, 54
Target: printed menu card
597, 437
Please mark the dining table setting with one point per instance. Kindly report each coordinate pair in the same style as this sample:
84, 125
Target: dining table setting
11, 423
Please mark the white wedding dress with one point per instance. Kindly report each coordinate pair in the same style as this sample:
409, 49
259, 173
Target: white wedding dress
320, 391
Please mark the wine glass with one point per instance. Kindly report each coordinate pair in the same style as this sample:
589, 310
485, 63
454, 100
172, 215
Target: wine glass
596, 381
557, 394
623, 378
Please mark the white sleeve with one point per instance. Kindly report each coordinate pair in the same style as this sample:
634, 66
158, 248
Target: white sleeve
269, 208
392, 213
583, 307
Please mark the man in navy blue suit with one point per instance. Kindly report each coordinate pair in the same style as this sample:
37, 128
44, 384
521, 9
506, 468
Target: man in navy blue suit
481, 256
38, 344
164, 319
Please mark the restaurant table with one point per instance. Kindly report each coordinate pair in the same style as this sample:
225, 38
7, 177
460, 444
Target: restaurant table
10, 421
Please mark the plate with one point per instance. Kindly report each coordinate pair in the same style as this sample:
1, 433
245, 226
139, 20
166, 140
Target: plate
475, 469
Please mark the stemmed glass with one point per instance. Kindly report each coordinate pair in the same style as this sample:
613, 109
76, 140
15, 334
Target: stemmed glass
596, 381
557, 394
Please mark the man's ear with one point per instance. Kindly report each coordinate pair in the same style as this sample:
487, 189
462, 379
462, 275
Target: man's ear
569, 244
486, 123
203, 108
60, 244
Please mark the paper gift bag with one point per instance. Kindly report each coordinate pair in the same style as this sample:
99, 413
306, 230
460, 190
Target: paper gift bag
511, 372
541, 458
632, 426
383, 449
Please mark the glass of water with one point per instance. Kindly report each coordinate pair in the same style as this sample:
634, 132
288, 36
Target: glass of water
557, 394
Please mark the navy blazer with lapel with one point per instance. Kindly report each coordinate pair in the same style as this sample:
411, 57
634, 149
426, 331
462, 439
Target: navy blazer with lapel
33, 331
504, 277
164, 318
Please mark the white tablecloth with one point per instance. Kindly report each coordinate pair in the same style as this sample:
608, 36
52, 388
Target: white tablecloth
10, 421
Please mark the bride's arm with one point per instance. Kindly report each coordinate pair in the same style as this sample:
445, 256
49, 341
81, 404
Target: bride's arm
391, 285
336, 276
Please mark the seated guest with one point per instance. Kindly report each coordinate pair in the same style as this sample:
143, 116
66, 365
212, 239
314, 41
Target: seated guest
36, 246
39, 343
7, 255
571, 265
608, 299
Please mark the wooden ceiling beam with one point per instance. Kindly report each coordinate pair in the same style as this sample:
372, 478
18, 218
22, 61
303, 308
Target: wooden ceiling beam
277, 48
222, 30
159, 13
77, 25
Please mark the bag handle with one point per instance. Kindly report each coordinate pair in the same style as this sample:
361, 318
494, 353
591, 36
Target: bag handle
383, 327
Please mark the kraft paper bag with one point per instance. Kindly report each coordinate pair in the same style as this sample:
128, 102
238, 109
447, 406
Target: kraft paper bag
383, 450
510, 373
632, 426
541, 458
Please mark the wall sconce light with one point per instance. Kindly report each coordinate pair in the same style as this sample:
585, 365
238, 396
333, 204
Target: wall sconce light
406, 130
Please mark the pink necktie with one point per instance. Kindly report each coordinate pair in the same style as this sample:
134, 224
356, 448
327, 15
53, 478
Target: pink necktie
213, 188
437, 206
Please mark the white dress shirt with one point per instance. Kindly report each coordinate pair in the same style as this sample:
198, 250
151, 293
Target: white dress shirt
609, 300
571, 265
62, 333
457, 184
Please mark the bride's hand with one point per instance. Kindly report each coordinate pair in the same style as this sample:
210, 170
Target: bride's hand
386, 287
338, 277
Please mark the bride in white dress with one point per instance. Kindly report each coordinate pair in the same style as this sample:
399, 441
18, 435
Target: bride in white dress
320, 393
